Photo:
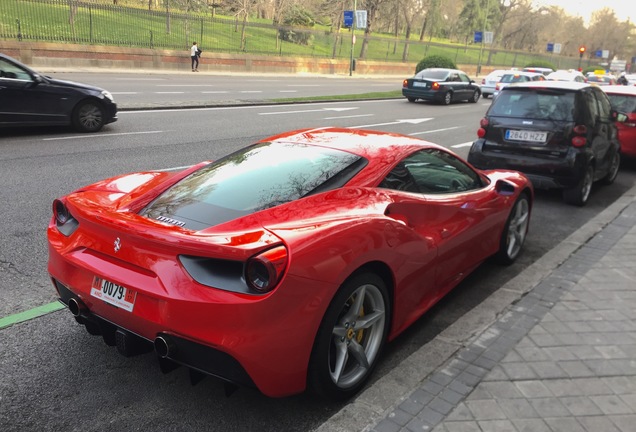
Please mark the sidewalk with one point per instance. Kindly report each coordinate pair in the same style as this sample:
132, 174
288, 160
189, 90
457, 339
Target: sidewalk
559, 357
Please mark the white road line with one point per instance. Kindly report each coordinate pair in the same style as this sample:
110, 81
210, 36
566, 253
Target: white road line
466, 144
215, 92
307, 111
103, 135
412, 121
434, 131
169, 92
288, 91
251, 91
351, 116
123, 93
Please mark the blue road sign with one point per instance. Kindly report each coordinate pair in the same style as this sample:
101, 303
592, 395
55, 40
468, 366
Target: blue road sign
348, 18
599, 53
550, 47
478, 36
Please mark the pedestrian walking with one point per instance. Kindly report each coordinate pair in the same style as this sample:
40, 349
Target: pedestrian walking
194, 56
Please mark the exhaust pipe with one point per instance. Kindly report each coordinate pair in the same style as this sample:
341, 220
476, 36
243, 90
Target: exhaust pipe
165, 347
76, 306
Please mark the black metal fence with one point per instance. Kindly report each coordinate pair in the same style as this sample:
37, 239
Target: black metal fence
73, 21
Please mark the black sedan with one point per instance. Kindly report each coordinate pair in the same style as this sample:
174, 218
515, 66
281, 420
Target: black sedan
441, 85
30, 99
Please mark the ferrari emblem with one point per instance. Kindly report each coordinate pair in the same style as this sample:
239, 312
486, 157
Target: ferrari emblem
117, 244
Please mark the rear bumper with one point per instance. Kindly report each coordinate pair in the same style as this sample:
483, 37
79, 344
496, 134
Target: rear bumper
420, 94
545, 172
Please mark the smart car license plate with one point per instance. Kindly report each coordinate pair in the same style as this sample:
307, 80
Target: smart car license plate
114, 294
526, 135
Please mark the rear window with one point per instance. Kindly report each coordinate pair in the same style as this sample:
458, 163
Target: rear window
514, 78
544, 104
432, 74
253, 179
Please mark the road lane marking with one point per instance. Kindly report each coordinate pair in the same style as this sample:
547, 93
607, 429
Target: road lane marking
251, 91
411, 121
307, 111
434, 131
351, 116
30, 314
466, 144
169, 92
124, 93
288, 91
102, 135
215, 92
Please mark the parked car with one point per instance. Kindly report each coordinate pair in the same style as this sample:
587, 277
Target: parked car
566, 75
31, 99
441, 85
516, 77
560, 134
285, 274
601, 80
490, 81
623, 100
631, 79
542, 70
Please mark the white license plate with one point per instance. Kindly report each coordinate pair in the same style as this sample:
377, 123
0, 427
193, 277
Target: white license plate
114, 294
526, 135
419, 84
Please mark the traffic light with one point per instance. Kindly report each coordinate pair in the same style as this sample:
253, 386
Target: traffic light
581, 51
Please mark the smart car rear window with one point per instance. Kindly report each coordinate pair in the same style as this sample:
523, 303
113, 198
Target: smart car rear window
546, 104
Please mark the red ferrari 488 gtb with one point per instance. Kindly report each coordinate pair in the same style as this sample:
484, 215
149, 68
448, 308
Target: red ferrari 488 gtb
288, 264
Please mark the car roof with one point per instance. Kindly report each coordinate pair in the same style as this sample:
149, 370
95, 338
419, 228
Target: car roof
620, 89
524, 73
558, 85
370, 144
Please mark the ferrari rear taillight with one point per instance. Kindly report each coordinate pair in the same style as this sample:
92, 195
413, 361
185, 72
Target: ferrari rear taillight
264, 271
579, 140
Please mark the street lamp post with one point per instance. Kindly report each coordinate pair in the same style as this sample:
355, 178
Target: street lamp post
353, 37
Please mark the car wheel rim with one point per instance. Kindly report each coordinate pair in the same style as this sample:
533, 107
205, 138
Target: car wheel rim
90, 116
476, 96
518, 227
613, 172
447, 98
357, 336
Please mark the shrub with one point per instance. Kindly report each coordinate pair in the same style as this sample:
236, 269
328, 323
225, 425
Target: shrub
435, 61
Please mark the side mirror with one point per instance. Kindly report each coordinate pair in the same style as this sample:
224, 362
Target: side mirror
618, 116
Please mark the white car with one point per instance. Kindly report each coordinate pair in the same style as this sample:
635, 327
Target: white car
566, 75
631, 78
511, 77
490, 81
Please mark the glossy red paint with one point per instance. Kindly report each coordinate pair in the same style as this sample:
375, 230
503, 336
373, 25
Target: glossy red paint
424, 244
626, 96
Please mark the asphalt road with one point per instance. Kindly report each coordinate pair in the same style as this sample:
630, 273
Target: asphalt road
57, 377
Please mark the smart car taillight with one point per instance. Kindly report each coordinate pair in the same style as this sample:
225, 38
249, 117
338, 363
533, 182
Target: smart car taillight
484, 122
580, 129
579, 140
264, 271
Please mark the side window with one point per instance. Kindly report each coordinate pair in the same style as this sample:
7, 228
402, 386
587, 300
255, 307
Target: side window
604, 106
464, 78
590, 102
432, 171
10, 71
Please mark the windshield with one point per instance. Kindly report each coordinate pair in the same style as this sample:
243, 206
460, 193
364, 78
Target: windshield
535, 104
253, 179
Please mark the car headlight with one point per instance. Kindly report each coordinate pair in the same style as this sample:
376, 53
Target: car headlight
108, 96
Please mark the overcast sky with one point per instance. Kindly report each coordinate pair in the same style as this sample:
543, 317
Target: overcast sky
623, 9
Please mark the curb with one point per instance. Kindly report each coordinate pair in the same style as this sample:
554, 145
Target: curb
381, 398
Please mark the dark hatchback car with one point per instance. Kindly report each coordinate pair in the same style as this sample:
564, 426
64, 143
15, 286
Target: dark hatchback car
441, 85
560, 134
30, 99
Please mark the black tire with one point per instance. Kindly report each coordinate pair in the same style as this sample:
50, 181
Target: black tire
475, 97
353, 330
579, 194
88, 116
448, 98
410, 99
612, 173
515, 231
